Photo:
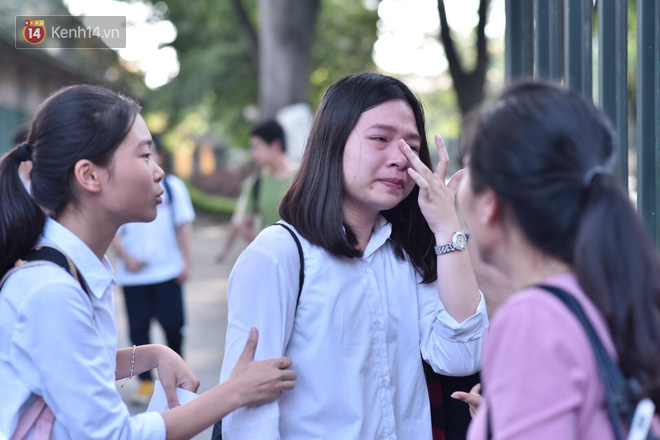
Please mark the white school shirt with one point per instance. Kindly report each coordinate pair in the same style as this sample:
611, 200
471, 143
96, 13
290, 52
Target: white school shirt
155, 242
53, 344
355, 341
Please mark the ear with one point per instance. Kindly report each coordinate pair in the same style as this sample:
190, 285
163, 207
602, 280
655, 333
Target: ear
490, 207
87, 175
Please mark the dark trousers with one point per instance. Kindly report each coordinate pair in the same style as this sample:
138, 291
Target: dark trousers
163, 301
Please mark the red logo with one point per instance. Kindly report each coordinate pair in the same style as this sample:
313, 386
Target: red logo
34, 31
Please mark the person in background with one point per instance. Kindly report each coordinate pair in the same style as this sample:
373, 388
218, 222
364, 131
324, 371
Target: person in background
262, 195
154, 263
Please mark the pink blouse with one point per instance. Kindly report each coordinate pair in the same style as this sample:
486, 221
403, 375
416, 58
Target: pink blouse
540, 375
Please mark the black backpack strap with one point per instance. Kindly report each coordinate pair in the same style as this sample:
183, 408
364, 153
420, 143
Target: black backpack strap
167, 189
170, 196
616, 385
47, 253
302, 258
254, 194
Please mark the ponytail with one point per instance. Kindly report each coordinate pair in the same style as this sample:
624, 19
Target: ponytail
21, 219
619, 269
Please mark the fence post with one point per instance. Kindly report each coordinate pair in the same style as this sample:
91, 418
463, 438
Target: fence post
648, 112
547, 39
577, 46
518, 39
613, 73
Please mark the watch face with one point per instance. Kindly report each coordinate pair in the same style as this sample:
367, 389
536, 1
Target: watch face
460, 240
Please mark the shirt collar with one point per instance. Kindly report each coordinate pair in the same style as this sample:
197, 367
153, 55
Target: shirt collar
98, 274
380, 234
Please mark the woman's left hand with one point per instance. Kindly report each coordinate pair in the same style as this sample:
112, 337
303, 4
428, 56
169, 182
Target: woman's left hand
436, 199
173, 373
473, 398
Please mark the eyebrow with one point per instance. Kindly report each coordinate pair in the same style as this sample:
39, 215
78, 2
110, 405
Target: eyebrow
144, 142
389, 128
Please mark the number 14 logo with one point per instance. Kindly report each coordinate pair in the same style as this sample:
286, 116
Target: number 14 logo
34, 31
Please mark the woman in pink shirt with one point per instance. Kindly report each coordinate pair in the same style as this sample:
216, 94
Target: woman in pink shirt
542, 201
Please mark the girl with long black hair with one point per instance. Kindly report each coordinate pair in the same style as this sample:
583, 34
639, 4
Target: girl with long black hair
92, 172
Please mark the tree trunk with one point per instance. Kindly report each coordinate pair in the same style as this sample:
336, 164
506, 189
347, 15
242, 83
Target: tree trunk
469, 86
286, 31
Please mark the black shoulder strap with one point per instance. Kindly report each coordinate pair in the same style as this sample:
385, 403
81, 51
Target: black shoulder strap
168, 190
47, 253
614, 380
170, 195
302, 258
256, 186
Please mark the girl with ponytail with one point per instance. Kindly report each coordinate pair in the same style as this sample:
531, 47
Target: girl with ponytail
543, 204
92, 172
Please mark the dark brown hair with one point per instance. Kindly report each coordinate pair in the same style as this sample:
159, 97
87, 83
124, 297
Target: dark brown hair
313, 203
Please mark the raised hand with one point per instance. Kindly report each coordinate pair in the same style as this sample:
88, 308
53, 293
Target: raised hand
436, 199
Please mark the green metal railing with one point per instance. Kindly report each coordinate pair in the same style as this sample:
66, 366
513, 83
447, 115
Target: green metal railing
553, 39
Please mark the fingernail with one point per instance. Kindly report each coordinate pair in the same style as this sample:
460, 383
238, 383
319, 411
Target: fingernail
453, 396
253, 331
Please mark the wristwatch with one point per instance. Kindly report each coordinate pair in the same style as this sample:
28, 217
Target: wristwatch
458, 243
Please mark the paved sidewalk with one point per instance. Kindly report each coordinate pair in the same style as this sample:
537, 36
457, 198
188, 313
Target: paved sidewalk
206, 309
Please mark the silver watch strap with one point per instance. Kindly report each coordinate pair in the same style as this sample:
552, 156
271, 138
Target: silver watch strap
444, 249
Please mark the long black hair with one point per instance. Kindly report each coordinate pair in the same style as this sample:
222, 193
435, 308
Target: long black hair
78, 122
313, 203
549, 156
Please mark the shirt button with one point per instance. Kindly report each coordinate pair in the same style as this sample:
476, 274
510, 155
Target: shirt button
378, 323
385, 381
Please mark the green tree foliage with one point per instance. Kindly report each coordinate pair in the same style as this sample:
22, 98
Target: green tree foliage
346, 33
218, 76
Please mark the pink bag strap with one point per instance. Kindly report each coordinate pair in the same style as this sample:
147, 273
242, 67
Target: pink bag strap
39, 416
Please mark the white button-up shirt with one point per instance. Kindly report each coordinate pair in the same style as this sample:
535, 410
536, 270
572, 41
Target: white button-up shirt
355, 341
59, 343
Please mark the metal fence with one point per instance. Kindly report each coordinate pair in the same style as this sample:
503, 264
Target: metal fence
553, 39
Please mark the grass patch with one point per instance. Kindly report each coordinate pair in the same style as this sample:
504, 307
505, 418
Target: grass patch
210, 202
